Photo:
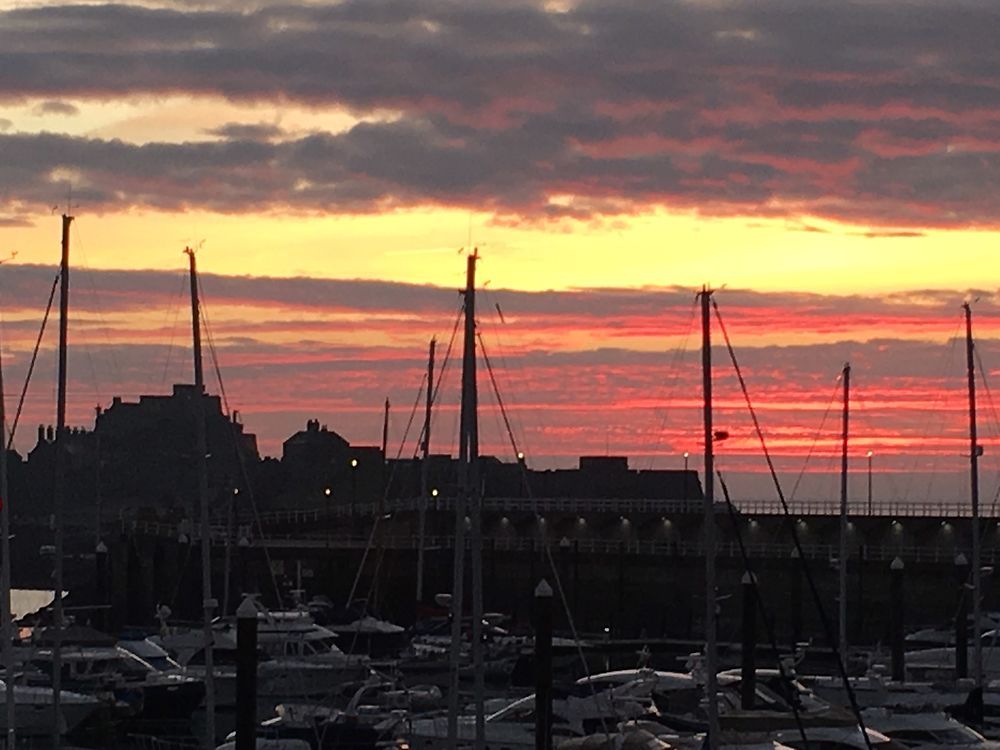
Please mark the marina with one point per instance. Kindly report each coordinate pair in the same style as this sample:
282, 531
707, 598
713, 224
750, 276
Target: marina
672, 659
535, 375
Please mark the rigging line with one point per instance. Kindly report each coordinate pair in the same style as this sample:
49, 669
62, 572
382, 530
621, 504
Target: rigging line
934, 412
495, 309
819, 432
444, 366
820, 610
986, 387
546, 547
993, 411
678, 354
379, 517
420, 436
504, 360
496, 391
176, 309
768, 625
89, 274
31, 365
244, 473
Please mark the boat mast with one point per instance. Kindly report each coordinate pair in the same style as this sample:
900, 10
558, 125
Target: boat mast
468, 498
60, 482
6, 632
385, 458
842, 566
711, 656
974, 451
201, 449
425, 474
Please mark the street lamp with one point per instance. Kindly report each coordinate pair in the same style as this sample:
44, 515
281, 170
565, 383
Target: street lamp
686, 456
327, 492
354, 486
870, 454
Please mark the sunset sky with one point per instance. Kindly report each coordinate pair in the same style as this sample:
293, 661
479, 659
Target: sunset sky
833, 168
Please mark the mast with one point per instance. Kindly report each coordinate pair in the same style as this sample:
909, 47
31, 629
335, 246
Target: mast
59, 482
974, 451
425, 473
842, 566
201, 462
385, 457
468, 498
711, 656
6, 632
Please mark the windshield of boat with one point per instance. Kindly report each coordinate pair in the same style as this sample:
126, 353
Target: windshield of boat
952, 735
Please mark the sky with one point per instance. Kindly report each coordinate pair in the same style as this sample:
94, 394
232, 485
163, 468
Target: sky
832, 169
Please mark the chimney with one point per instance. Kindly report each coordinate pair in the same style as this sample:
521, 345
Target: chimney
41, 433
50, 435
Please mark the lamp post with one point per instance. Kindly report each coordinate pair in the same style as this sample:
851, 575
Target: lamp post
329, 522
686, 456
870, 454
354, 487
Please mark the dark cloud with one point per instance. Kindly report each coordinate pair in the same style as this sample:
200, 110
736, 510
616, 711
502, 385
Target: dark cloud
53, 107
866, 113
238, 131
659, 312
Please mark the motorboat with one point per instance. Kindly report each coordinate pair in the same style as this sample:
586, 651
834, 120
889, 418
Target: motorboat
926, 730
33, 710
360, 631
94, 664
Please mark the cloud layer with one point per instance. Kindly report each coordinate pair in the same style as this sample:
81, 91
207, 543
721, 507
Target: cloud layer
874, 114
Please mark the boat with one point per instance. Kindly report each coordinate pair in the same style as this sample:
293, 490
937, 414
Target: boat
94, 664
360, 631
33, 710
577, 711
926, 730
279, 678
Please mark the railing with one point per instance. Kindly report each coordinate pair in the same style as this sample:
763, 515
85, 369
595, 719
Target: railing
492, 504
590, 546
938, 508
859, 508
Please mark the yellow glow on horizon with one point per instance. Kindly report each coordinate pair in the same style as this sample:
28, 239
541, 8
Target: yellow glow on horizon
422, 246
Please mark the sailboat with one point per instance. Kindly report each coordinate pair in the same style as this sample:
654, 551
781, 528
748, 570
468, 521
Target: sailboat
32, 711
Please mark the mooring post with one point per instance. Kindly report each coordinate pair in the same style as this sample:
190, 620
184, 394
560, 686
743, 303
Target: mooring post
896, 618
543, 666
748, 647
101, 557
795, 571
962, 617
246, 675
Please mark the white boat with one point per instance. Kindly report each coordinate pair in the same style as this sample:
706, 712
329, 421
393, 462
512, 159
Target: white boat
926, 730
294, 634
575, 714
278, 678
835, 738
93, 664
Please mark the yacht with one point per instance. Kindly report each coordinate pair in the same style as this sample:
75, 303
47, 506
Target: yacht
33, 710
360, 631
926, 730
94, 664
577, 711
